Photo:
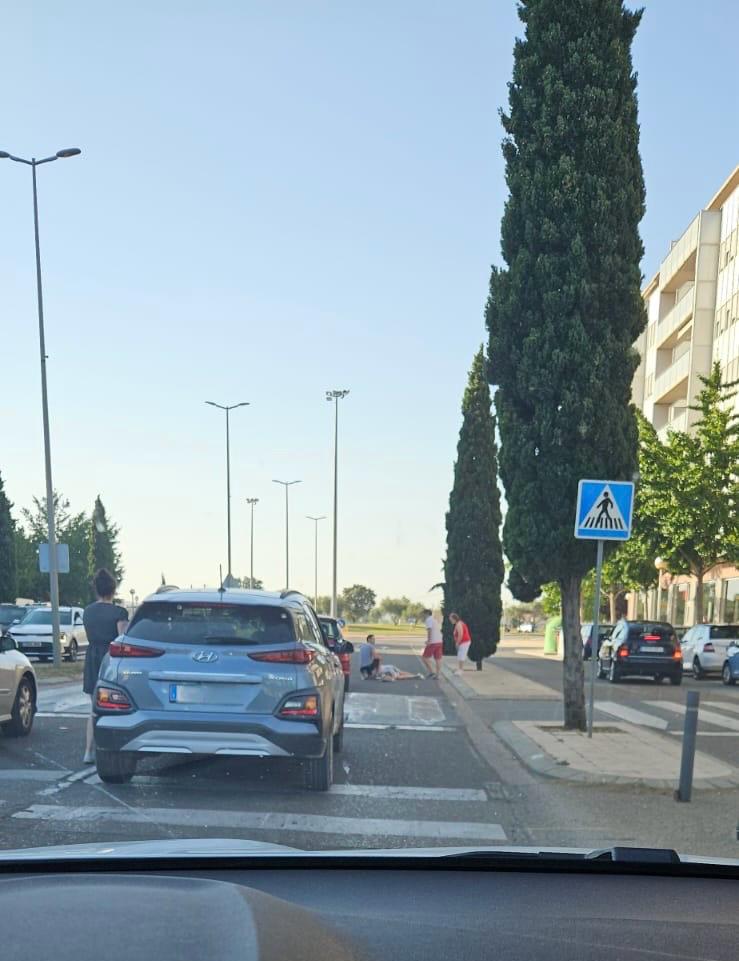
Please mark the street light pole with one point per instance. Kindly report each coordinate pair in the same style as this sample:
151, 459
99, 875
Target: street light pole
334, 396
287, 485
228, 408
315, 557
50, 519
251, 501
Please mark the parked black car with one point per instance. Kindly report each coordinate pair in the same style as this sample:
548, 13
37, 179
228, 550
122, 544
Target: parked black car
641, 649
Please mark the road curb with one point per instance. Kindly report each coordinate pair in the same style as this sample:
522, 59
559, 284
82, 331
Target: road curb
536, 759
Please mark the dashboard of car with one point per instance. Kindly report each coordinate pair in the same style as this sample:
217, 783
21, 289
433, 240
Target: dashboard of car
168, 911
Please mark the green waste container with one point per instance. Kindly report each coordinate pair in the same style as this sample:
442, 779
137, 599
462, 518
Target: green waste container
550, 635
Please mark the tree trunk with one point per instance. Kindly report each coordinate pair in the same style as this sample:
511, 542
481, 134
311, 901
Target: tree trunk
699, 598
573, 678
612, 604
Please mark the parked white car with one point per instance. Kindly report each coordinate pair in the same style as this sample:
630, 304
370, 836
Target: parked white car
33, 634
17, 690
705, 647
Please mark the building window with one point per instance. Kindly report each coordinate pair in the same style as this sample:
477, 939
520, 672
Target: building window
709, 601
681, 598
730, 603
650, 385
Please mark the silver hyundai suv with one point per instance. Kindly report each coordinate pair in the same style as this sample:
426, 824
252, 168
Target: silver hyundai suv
220, 672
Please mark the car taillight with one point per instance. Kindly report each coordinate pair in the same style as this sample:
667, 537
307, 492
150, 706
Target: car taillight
123, 649
301, 705
296, 655
652, 637
111, 699
623, 651
677, 653
709, 648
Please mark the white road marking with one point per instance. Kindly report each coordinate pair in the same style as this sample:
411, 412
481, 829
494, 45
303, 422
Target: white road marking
30, 774
708, 733
710, 717
370, 708
60, 714
399, 727
631, 715
410, 793
724, 706
65, 782
269, 821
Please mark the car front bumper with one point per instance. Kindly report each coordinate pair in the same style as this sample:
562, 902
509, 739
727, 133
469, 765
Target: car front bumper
162, 732
39, 648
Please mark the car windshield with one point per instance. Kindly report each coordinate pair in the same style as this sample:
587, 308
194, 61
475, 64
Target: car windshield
420, 318
9, 614
43, 617
203, 624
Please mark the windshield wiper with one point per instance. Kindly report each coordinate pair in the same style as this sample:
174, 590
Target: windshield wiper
229, 639
616, 855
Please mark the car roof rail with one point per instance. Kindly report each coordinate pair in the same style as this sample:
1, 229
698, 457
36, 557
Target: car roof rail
166, 588
290, 593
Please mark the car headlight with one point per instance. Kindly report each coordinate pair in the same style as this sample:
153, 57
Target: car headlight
62, 636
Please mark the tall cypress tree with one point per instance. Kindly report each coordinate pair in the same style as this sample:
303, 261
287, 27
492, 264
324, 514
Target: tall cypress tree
565, 312
103, 543
473, 570
8, 570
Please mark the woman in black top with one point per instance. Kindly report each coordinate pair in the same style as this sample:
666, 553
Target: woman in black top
104, 621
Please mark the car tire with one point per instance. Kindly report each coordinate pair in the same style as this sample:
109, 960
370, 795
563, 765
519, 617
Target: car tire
114, 767
24, 708
676, 679
614, 675
726, 675
601, 670
698, 672
318, 772
71, 655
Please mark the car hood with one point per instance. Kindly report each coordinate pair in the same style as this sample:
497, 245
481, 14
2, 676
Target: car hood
239, 848
37, 630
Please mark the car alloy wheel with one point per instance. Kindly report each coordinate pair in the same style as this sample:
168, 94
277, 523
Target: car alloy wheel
726, 675
21, 719
72, 652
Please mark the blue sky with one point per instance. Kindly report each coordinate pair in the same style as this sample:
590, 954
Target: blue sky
275, 199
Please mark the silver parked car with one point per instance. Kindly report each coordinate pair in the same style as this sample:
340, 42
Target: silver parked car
244, 673
705, 648
33, 633
17, 690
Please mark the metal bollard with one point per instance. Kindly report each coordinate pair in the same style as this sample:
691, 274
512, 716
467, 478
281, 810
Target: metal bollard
688, 757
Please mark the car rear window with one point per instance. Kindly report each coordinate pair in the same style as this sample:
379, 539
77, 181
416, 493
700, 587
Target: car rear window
332, 630
651, 632
724, 632
195, 623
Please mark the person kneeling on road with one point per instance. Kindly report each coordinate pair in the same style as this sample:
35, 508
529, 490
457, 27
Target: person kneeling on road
369, 659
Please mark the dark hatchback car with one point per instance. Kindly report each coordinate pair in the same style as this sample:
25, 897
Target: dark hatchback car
641, 649
336, 641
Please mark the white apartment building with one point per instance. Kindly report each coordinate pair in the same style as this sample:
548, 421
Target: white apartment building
692, 320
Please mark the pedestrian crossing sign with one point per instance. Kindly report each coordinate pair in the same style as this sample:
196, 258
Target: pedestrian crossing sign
604, 510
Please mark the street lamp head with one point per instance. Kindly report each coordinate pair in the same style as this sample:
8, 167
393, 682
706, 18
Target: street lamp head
68, 152
212, 403
4, 155
252, 500
336, 394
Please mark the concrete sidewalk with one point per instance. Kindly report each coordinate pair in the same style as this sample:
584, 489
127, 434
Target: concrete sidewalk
494, 681
618, 753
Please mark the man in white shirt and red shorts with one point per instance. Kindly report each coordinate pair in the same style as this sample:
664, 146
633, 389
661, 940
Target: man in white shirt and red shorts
432, 653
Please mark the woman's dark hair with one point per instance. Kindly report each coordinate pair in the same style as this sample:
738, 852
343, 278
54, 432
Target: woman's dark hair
104, 583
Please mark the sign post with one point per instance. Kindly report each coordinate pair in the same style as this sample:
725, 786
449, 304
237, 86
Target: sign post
604, 511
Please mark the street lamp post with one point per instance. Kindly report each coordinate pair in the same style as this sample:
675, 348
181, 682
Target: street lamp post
50, 520
228, 408
334, 396
315, 557
251, 501
287, 485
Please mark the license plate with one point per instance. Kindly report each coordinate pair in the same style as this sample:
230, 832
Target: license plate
652, 650
32, 643
195, 693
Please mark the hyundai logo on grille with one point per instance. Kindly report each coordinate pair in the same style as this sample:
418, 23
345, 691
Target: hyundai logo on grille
205, 657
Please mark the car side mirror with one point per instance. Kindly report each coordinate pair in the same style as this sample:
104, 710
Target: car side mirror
7, 643
17, 620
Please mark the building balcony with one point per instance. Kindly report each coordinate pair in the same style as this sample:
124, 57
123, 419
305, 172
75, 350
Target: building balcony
678, 267
672, 384
677, 422
668, 328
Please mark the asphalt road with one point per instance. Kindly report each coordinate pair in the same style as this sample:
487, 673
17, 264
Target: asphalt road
419, 769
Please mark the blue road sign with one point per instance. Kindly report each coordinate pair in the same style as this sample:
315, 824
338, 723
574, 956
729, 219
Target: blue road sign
604, 510
62, 558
